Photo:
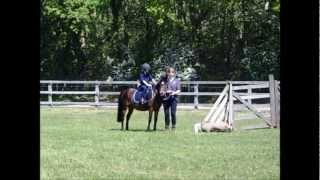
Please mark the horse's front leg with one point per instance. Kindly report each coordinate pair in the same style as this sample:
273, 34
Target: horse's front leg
150, 117
155, 120
128, 117
124, 112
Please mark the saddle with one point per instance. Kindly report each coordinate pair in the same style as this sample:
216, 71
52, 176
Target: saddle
139, 94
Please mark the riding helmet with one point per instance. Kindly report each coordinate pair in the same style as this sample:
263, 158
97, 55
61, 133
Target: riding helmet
145, 67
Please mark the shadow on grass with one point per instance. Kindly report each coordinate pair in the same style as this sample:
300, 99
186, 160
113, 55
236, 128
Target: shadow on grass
136, 130
257, 128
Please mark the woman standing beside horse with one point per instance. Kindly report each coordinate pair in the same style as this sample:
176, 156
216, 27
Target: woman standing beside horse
170, 103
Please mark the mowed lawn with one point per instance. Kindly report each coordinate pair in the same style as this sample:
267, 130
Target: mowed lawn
86, 143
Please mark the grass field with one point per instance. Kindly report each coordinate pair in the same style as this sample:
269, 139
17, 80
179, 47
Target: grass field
86, 143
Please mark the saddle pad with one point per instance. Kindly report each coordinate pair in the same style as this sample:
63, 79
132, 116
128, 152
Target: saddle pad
138, 95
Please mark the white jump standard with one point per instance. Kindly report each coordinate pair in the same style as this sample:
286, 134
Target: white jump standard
220, 116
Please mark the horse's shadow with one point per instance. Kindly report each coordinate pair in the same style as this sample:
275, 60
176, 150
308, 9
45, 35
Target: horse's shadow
136, 130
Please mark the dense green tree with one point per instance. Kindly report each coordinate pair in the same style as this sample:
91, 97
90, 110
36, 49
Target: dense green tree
205, 40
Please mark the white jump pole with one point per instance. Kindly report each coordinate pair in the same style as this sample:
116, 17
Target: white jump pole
220, 108
216, 103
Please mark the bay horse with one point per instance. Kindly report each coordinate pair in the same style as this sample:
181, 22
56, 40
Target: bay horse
126, 106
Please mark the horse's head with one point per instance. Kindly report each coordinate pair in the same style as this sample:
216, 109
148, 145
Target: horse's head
162, 88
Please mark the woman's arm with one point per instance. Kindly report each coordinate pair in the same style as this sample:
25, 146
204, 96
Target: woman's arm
178, 86
176, 92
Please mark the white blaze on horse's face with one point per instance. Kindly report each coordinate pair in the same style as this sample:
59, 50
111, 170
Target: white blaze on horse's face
162, 90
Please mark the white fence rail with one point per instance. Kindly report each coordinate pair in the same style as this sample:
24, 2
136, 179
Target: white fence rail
246, 86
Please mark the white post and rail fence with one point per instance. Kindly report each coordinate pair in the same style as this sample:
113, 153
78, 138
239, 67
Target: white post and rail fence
247, 88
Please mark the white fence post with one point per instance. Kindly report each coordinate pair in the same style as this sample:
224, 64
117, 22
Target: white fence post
50, 93
250, 94
231, 114
272, 100
196, 100
277, 103
96, 97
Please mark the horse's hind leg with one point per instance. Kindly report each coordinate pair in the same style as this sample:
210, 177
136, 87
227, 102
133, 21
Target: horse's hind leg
128, 117
150, 117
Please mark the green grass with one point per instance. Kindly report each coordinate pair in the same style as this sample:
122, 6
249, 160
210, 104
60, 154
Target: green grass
86, 143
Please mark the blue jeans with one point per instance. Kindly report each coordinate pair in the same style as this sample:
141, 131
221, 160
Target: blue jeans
170, 109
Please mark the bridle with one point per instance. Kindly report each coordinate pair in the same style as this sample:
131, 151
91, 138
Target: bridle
164, 88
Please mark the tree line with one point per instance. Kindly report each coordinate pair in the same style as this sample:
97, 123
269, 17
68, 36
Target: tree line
203, 39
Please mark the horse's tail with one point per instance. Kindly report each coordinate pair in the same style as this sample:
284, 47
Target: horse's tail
120, 117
